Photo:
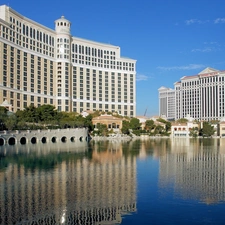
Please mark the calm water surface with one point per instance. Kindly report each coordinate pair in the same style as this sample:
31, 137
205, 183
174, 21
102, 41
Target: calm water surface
157, 181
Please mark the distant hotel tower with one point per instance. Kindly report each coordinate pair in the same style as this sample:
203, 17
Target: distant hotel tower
200, 96
167, 103
43, 66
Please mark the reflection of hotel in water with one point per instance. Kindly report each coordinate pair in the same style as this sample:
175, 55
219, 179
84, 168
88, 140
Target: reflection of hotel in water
94, 191
194, 172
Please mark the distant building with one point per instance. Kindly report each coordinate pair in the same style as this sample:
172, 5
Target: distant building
167, 102
182, 129
221, 128
39, 66
201, 96
110, 121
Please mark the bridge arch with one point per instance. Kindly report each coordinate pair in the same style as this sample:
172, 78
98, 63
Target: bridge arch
72, 139
23, 140
33, 140
44, 140
2, 141
64, 139
54, 139
12, 141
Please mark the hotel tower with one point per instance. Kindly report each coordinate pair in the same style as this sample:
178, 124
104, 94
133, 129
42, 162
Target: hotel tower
40, 66
200, 96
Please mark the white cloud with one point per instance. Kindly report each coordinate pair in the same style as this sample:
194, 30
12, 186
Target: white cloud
207, 49
188, 67
210, 43
192, 21
141, 77
219, 20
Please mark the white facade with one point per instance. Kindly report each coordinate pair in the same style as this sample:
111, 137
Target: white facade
167, 102
182, 129
200, 96
44, 66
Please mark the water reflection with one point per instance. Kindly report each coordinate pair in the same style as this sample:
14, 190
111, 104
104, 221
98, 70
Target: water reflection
195, 170
68, 184
96, 182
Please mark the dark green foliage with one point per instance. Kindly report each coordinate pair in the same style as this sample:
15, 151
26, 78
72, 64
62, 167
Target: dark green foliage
167, 123
182, 120
11, 122
46, 113
43, 117
3, 117
194, 132
101, 130
126, 127
88, 122
207, 130
149, 125
135, 124
158, 130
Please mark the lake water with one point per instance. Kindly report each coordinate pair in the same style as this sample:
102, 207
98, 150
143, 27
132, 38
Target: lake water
154, 181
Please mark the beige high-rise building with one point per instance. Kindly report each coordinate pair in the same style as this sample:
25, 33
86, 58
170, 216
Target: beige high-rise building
167, 102
200, 96
40, 66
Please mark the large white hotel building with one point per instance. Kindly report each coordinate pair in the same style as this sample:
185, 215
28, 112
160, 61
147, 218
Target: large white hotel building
200, 96
39, 66
167, 102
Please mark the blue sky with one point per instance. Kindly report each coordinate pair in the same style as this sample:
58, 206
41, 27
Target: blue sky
168, 38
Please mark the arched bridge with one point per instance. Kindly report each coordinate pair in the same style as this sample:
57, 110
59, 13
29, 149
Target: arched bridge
43, 136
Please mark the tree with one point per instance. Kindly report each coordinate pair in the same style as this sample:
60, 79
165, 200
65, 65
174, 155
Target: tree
11, 122
3, 110
182, 120
88, 122
125, 127
3, 117
149, 125
167, 123
46, 113
101, 129
135, 124
29, 114
21, 125
79, 121
158, 129
207, 130
194, 132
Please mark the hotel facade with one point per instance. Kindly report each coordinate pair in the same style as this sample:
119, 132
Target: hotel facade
167, 102
200, 96
40, 66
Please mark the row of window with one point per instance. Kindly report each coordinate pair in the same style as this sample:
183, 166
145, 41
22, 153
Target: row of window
85, 50
98, 57
31, 32
15, 74
19, 101
44, 44
208, 80
25, 42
